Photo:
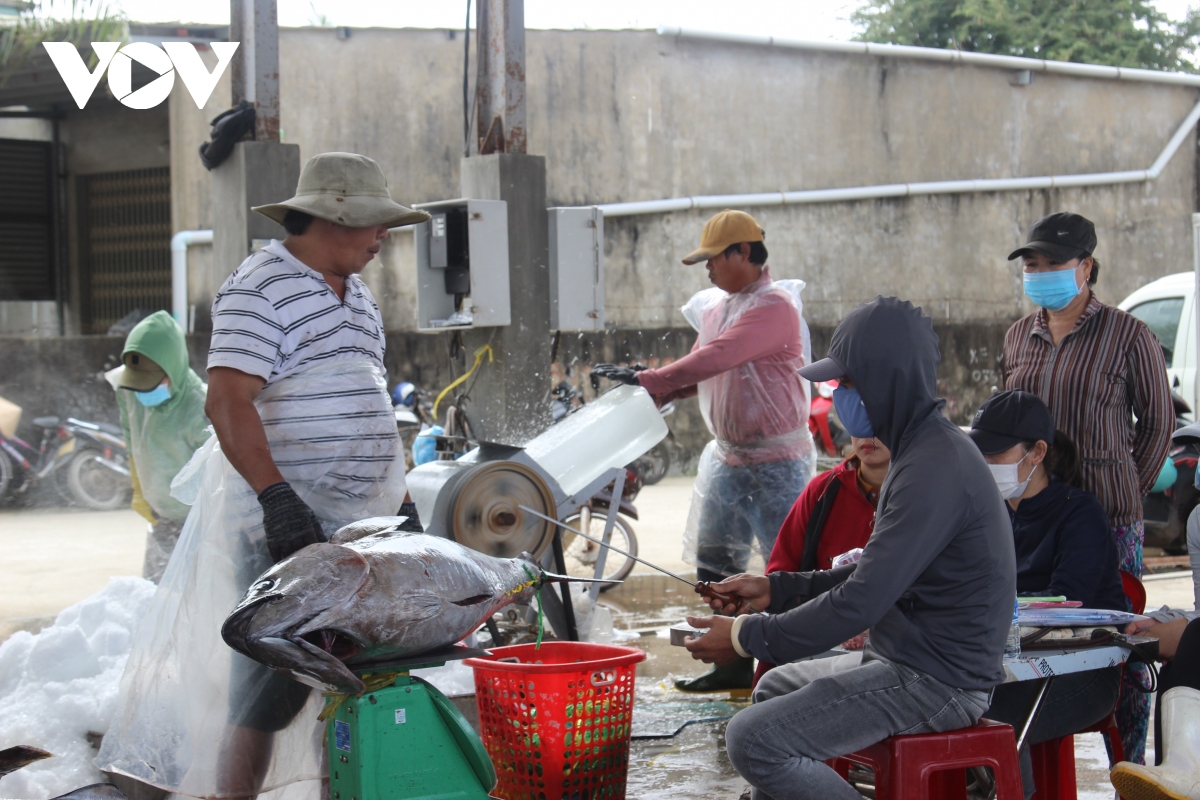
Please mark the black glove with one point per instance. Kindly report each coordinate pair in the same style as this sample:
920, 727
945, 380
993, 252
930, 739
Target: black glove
288, 521
413, 523
626, 375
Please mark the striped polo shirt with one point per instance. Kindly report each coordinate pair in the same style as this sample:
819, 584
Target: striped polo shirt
1102, 375
275, 316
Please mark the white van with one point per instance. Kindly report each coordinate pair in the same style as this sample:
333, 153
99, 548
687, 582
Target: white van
1168, 306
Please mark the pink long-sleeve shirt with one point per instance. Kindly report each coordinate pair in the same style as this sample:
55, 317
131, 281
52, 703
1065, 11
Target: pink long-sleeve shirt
745, 359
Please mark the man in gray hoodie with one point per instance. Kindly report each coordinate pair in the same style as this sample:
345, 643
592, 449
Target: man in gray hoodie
935, 585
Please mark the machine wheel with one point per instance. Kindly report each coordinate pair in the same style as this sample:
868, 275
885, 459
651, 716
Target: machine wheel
486, 515
94, 485
580, 554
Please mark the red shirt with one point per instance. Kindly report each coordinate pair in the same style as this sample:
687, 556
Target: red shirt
848, 525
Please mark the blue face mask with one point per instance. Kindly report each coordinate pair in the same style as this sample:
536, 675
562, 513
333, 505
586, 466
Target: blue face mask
1053, 291
156, 396
852, 413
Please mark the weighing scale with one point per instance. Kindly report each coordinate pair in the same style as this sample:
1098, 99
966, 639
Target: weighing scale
402, 739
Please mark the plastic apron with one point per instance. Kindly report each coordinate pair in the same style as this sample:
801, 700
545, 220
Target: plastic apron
333, 436
735, 394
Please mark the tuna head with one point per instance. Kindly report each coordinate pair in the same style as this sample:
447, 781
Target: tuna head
276, 621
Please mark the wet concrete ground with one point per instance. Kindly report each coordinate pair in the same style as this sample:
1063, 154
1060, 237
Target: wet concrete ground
55, 559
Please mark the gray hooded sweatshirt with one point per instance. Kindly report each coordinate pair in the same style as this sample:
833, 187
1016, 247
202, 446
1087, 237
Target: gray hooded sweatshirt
937, 579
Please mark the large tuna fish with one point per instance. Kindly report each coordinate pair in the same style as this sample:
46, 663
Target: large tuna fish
369, 594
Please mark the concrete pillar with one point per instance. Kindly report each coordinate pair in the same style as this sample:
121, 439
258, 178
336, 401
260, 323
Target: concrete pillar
510, 402
256, 173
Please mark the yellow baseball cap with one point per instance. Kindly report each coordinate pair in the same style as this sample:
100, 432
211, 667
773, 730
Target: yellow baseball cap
726, 228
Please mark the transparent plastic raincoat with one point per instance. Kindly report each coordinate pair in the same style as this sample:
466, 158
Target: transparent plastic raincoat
185, 696
762, 455
162, 438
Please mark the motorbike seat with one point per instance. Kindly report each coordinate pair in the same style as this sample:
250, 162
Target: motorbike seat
45, 422
108, 427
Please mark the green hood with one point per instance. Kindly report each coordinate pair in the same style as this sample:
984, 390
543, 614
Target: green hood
159, 338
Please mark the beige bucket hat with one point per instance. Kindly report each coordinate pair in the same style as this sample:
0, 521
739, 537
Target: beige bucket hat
348, 189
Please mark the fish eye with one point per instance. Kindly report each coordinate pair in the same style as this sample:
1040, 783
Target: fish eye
265, 585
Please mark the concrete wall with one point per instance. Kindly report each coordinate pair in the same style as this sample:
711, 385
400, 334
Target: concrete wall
630, 115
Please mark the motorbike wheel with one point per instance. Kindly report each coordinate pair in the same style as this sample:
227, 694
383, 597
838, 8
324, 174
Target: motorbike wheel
653, 466
580, 554
94, 485
6, 475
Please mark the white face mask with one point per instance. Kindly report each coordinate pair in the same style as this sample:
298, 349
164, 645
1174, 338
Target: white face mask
1008, 480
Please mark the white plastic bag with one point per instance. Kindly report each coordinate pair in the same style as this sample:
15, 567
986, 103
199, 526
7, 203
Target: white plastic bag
333, 436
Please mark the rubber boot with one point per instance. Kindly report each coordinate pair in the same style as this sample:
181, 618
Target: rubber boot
1178, 777
735, 677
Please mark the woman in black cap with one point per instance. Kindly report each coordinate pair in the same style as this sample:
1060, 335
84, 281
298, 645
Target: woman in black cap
1102, 374
1063, 548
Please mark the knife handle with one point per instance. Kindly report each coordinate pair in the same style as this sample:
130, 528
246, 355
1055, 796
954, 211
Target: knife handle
706, 590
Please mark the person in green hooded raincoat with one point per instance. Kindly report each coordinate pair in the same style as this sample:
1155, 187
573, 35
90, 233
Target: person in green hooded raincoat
162, 416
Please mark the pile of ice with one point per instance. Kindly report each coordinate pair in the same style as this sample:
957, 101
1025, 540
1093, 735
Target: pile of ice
60, 684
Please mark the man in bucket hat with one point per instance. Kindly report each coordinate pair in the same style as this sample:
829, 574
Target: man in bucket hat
307, 444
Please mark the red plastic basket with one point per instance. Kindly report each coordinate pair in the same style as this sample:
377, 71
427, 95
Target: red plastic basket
556, 720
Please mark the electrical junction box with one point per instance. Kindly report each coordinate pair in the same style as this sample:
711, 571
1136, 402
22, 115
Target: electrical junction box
576, 269
462, 265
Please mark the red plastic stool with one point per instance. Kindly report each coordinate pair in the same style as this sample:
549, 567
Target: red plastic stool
932, 766
1054, 761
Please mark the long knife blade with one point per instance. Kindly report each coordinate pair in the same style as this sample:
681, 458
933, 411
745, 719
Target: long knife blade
703, 588
601, 542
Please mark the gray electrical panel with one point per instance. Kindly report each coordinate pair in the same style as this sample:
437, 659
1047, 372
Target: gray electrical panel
462, 265
576, 269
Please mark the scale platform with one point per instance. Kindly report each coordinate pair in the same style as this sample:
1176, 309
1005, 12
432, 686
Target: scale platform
406, 740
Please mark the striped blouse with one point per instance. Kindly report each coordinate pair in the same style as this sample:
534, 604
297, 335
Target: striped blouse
275, 316
1106, 372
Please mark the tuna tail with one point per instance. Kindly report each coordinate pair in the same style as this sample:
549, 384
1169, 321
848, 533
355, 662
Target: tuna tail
13, 758
551, 577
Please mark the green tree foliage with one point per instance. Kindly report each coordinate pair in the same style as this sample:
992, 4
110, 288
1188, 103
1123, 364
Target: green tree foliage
78, 21
1124, 33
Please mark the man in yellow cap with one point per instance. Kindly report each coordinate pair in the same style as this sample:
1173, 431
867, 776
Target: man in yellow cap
307, 443
752, 339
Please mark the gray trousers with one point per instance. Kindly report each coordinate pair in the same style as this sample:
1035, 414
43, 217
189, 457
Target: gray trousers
809, 711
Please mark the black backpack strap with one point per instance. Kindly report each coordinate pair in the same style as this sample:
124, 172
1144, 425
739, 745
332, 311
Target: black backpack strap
816, 523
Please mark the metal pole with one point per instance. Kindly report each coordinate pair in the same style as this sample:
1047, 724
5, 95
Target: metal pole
500, 26
255, 68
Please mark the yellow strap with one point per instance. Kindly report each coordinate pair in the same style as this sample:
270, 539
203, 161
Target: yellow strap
479, 354
372, 683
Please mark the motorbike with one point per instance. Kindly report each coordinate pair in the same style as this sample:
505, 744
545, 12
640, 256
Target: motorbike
86, 460
833, 443
1165, 513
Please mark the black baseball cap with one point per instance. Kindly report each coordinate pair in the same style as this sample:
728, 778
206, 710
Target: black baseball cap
1060, 237
827, 369
1009, 418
